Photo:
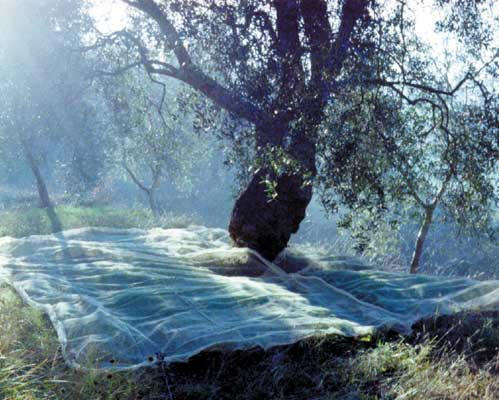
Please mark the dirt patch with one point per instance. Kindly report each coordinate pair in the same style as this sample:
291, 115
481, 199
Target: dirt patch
315, 368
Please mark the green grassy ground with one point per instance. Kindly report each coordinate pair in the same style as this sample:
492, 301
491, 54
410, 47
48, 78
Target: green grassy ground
39, 221
446, 358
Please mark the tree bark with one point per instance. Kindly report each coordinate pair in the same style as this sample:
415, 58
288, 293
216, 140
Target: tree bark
257, 222
43, 193
423, 231
149, 191
151, 194
265, 224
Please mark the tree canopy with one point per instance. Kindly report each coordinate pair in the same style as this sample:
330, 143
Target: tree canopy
288, 66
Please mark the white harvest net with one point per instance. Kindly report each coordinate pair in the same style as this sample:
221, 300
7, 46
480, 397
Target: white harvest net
126, 295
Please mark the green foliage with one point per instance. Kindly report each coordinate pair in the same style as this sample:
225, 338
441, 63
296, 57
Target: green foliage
45, 119
393, 155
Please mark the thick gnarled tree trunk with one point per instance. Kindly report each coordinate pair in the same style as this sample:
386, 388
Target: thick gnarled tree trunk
266, 225
258, 222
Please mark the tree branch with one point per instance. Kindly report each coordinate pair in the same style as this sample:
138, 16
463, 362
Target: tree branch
116, 72
135, 179
443, 188
289, 54
150, 8
191, 74
319, 34
351, 12
422, 87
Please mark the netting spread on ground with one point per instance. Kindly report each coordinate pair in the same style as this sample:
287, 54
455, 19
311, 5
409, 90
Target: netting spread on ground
126, 295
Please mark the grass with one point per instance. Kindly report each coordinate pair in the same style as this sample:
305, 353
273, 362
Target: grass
37, 221
31, 363
453, 357
427, 365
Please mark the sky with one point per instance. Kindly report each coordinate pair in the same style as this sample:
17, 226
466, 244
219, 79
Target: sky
111, 15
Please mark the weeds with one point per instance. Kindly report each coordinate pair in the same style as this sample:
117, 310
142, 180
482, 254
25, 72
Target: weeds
36, 221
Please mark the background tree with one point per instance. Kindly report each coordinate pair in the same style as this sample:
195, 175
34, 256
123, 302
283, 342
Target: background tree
400, 148
413, 164
85, 148
39, 79
150, 140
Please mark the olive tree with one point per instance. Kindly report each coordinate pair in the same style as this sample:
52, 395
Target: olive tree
278, 65
395, 149
149, 133
40, 79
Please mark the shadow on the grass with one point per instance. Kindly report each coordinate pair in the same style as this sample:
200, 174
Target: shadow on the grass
322, 368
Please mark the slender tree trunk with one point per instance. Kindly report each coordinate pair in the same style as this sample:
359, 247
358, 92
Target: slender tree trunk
151, 194
423, 231
149, 191
43, 193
